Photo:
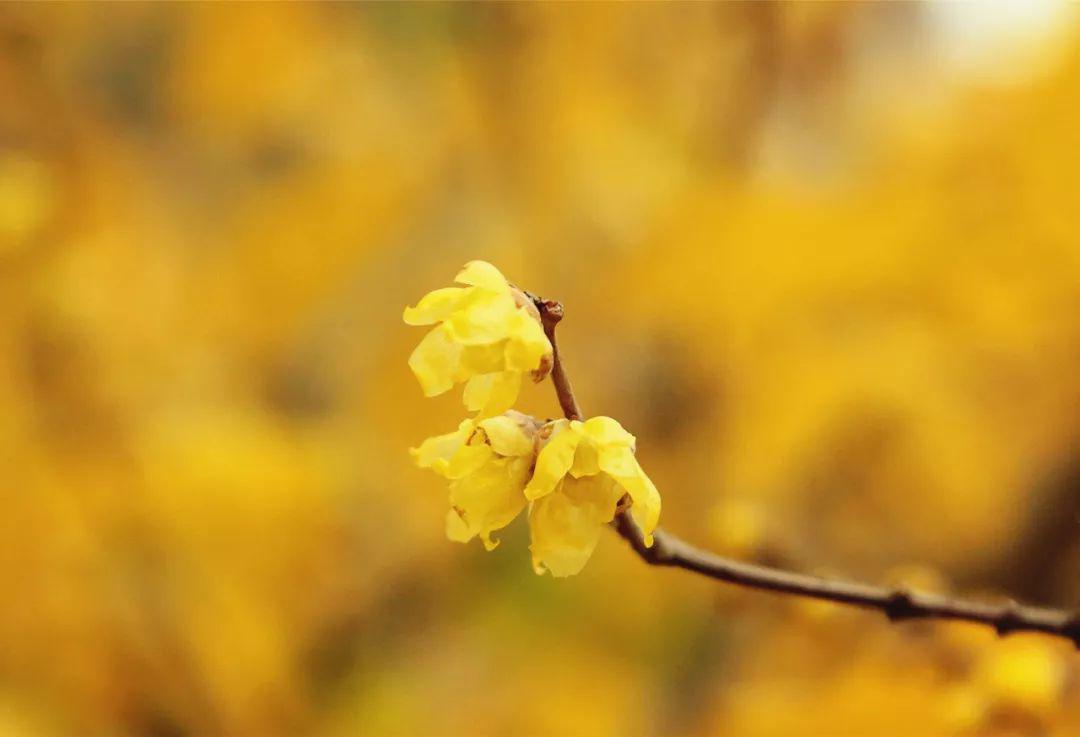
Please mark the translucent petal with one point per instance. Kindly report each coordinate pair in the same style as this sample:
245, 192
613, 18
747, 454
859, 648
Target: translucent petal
606, 431
489, 498
507, 437
482, 359
566, 525
438, 450
492, 394
467, 460
456, 529
601, 491
555, 459
621, 465
483, 275
435, 361
586, 460
527, 344
618, 460
435, 306
487, 317
646, 510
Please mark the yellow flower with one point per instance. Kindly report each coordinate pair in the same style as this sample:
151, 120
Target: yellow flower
488, 335
581, 474
488, 463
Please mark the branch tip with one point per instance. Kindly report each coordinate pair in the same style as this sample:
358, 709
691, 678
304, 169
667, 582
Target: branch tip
551, 311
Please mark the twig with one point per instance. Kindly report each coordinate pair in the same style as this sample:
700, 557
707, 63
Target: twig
896, 603
551, 313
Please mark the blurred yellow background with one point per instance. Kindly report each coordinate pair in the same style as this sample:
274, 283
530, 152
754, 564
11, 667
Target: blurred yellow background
821, 259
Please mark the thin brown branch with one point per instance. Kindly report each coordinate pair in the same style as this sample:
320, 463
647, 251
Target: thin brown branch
551, 313
896, 603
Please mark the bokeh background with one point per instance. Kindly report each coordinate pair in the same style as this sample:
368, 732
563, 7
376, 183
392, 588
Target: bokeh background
822, 259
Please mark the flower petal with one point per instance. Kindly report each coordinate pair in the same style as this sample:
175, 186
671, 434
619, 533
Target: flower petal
487, 317
484, 275
619, 463
555, 459
456, 529
482, 359
506, 436
566, 525
606, 431
435, 306
491, 497
467, 460
492, 394
586, 460
435, 452
527, 344
435, 361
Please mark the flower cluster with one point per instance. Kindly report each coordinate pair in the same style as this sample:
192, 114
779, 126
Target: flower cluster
573, 476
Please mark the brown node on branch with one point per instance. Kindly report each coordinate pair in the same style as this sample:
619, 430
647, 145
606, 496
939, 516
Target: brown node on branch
900, 606
1072, 630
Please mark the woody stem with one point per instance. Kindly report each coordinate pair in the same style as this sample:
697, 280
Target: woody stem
895, 603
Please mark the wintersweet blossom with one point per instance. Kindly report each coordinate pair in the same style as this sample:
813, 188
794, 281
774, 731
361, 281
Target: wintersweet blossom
488, 463
583, 471
487, 336
574, 476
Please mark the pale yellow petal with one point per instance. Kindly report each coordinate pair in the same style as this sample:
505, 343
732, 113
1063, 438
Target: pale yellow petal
482, 359
555, 459
527, 344
467, 460
606, 431
484, 275
435, 361
456, 529
477, 391
506, 436
492, 394
586, 460
491, 497
601, 491
438, 450
486, 317
435, 306
646, 508
566, 525
619, 462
